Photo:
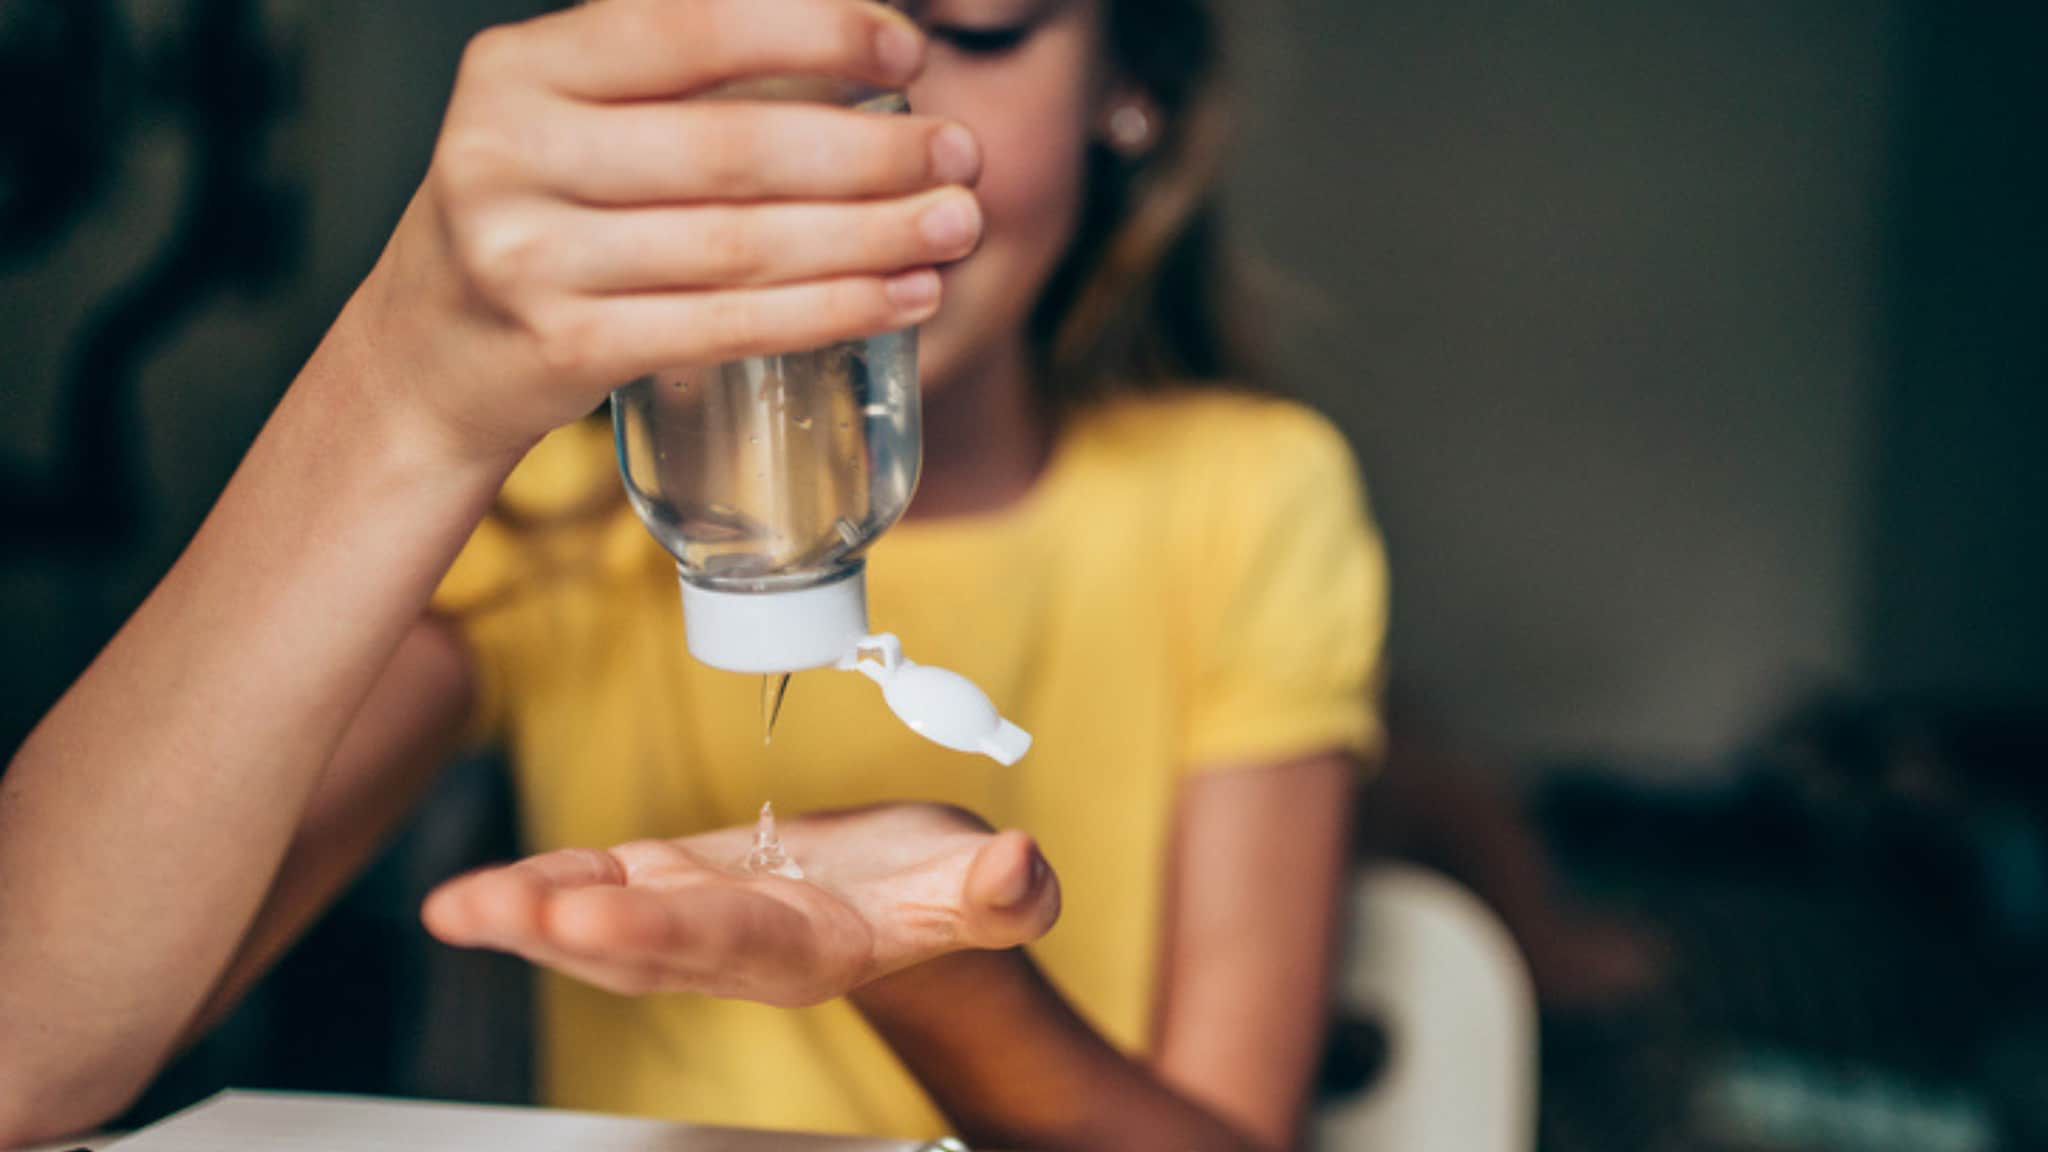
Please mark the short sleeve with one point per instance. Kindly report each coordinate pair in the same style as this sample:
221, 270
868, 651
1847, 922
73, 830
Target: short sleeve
1291, 600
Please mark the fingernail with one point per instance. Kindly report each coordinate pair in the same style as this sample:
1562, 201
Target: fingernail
913, 291
950, 224
898, 48
1025, 884
956, 157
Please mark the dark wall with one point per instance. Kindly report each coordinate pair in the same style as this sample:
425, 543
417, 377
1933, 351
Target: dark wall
1956, 587
1597, 285
344, 106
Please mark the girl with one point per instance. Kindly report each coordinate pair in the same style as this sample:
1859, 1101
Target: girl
1175, 588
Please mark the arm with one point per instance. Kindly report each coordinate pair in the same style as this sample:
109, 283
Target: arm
143, 821
1013, 1066
405, 731
1250, 928
1253, 913
550, 254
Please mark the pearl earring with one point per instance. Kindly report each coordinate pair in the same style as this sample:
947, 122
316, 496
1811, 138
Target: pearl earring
1130, 128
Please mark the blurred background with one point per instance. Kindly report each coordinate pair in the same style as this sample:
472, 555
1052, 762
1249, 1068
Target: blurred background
1697, 355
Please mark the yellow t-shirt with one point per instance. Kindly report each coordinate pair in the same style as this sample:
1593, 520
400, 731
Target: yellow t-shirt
1193, 583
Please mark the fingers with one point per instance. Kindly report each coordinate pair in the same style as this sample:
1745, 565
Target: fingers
569, 868
518, 909
657, 915
704, 932
623, 337
1011, 895
671, 152
644, 49
671, 249
492, 905
718, 939
598, 226
642, 918
629, 106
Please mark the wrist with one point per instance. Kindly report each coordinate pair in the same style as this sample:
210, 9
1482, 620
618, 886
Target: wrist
928, 989
995, 1046
372, 382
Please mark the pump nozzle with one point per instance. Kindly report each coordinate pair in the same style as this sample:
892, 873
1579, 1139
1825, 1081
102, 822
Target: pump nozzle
826, 626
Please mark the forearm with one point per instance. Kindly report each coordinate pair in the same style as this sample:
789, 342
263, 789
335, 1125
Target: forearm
1013, 1066
407, 729
144, 819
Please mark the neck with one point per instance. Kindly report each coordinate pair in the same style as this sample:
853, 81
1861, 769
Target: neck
985, 439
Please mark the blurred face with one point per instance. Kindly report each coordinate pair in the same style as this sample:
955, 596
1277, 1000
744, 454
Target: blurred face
1027, 77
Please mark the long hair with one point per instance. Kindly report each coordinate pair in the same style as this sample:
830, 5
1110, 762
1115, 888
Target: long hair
1140, 300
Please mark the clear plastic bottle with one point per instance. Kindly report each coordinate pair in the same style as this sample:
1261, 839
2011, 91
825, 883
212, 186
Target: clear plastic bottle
773, 474
768, 478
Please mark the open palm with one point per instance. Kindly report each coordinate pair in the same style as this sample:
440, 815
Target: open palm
885, 888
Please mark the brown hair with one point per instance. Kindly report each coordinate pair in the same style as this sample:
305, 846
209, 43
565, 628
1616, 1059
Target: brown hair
1139, 302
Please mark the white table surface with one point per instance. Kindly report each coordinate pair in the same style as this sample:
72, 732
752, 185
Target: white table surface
301, 1122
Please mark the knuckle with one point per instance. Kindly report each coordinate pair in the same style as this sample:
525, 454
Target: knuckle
566, 340
696, 27
487, 54
901, 151
730, 320
853, 32
505, 254
726, 151
596, 860
710, 28
858, 306
472, 159
730, 247
641, 857
502, 900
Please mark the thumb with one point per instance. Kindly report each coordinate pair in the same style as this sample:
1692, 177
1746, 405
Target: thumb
1011, 895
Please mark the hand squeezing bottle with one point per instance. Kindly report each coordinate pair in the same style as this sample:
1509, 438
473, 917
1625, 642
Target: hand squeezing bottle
768, 478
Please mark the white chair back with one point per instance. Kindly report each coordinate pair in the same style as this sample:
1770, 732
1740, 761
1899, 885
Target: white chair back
1439, 972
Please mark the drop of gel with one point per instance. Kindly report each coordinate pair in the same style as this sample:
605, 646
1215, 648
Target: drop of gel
766, 857
774, 688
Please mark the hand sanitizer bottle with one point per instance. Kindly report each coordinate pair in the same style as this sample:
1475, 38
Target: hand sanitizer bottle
768, 478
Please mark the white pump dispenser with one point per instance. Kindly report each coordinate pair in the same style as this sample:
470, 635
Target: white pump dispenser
825, 625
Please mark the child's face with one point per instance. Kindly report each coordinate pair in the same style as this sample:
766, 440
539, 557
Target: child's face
1027, 77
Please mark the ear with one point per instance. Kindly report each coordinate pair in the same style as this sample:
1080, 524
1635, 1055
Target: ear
1129, 122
